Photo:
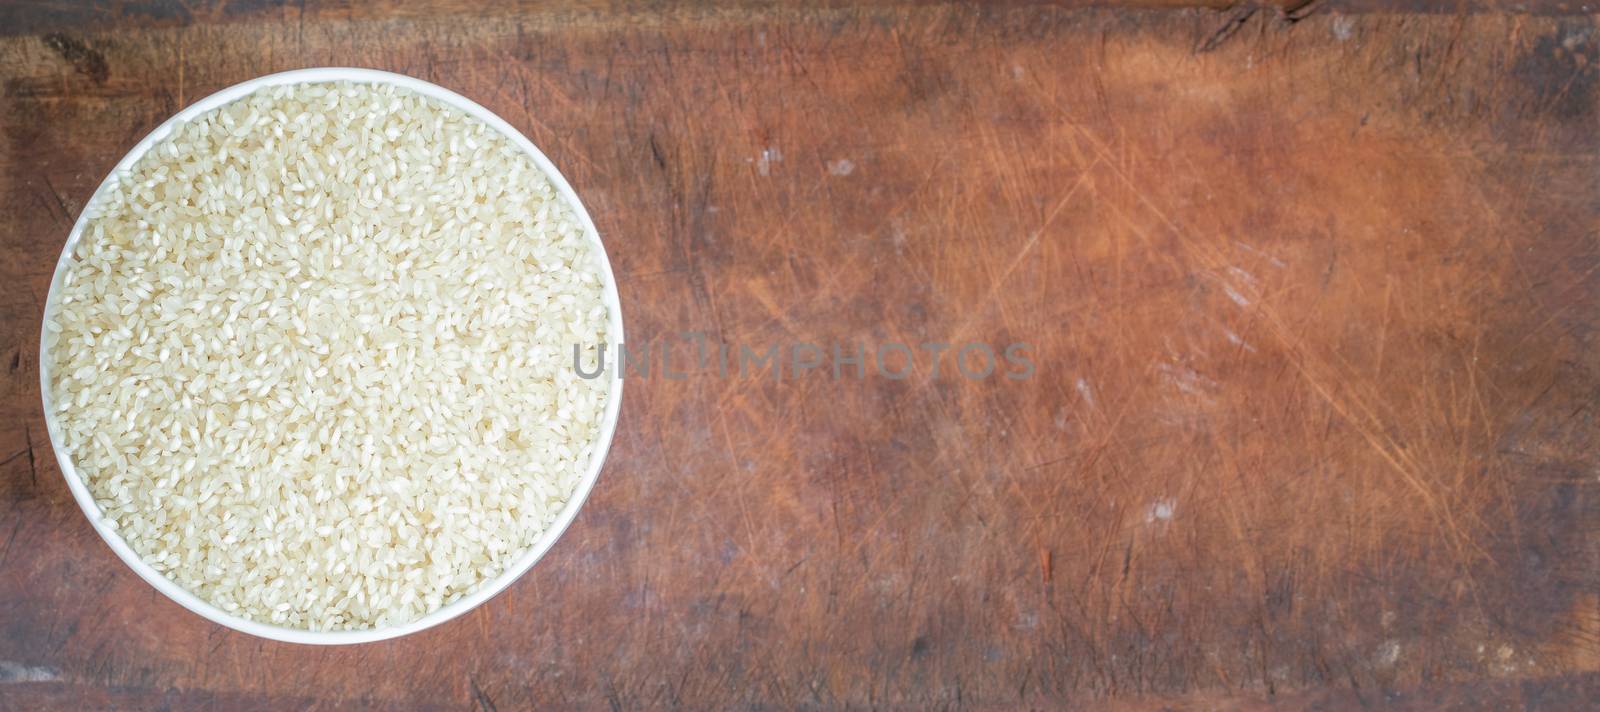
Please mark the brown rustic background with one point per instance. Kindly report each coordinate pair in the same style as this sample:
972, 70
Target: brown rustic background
1312, 294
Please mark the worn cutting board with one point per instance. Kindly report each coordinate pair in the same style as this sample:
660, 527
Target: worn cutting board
1311, 296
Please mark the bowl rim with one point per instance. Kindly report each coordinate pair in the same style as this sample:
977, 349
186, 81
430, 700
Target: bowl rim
488, 589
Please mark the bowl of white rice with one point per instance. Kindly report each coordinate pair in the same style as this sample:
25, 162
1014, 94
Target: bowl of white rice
321, 360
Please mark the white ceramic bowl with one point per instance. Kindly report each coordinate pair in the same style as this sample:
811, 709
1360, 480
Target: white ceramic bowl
608, 426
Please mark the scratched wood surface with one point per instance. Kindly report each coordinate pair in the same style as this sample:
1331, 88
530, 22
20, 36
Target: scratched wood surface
1312, 298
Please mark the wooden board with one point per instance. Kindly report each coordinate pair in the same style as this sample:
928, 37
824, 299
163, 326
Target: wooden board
1312, 300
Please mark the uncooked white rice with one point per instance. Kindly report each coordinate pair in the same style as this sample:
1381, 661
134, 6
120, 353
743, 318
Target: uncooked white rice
308, 355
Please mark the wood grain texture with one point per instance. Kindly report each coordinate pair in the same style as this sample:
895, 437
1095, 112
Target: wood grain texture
1313, 304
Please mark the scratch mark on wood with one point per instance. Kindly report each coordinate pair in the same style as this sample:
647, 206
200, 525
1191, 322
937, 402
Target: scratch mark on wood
33, 469
479, 697
66, 215
5, 554
85, 59
1231, 22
